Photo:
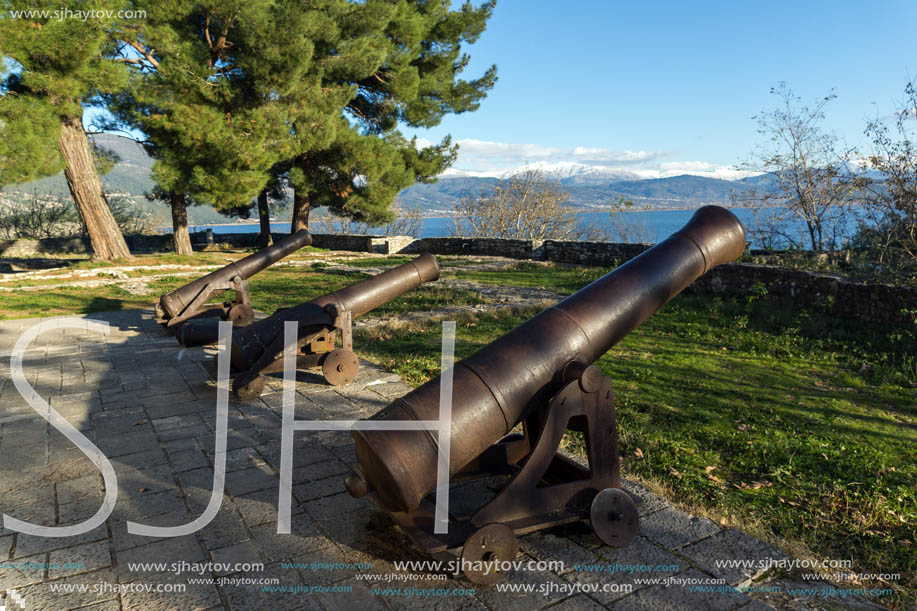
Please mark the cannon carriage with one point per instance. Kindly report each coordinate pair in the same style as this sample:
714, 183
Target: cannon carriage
258, 348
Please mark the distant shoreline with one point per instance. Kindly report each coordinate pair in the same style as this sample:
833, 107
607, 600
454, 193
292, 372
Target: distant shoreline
447, 216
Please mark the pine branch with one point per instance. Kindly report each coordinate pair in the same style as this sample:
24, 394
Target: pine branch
147, 55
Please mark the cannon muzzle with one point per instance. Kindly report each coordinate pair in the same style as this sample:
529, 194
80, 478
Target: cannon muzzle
186, 301
503, 382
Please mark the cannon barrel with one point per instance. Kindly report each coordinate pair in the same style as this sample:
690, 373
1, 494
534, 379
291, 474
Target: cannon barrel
249, 343
499, 385
172, 304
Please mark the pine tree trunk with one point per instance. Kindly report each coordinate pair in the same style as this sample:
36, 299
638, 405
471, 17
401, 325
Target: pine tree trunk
264, 215
180, 236
300, 211
86, 190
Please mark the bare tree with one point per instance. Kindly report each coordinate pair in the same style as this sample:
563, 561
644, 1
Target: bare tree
808, 182
408, 222
527, 205
47, 216
891, 198
625, 227
39, 217
131, 217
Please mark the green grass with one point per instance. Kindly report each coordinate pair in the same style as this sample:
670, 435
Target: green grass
289, 286
803, 423
282, 287
198, 258
445, 262
798, 426
374, 261
558, 278
271, 289
70, 301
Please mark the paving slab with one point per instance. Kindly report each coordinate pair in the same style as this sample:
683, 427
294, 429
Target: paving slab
79, 559
672, 528
24, 571
41, 596
6, 544
678, 597
738, 547
641, 560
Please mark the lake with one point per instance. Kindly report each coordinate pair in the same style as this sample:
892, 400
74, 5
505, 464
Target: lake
643, 226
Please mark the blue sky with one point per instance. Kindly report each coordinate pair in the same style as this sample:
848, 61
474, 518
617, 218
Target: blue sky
661, 88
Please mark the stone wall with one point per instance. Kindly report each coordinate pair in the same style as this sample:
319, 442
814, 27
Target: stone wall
392, 244
581, 253
836, 294
513, 249
875, 302
358, 243
28, 248
145, 244
588, 253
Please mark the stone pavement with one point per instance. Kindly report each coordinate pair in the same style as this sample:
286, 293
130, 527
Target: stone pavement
150, 407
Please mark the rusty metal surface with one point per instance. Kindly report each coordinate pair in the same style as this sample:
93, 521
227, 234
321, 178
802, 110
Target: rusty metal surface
250, 343
503, 382
174, 303
546, 488
340, 367
369, 294
486, 551
198, 332
614, 516
241, 314
256, 349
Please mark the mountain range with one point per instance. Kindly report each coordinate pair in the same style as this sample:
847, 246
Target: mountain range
587, 186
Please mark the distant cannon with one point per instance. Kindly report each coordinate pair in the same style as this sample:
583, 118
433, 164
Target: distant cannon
258, 349
192, 300
540, 374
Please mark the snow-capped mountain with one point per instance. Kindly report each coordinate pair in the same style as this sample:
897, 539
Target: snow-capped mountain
572, 171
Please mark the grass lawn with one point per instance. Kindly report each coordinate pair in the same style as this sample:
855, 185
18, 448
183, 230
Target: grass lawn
275, 287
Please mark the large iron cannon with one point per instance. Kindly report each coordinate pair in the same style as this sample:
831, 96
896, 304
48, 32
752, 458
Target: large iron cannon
539, 374
192, 300
258, 349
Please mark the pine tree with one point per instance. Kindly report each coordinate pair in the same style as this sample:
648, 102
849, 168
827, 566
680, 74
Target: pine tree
214, 128
61, 65
234, 95
393, 63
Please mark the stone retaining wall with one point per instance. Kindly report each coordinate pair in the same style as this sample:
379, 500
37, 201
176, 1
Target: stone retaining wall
875, 302
588, 253
513, 249
836, 294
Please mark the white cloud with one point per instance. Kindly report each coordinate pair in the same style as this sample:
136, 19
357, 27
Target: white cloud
703, 168
498, 151
599, 156
485, 158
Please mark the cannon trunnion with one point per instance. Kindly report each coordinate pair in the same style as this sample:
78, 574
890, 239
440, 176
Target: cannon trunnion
541, 375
